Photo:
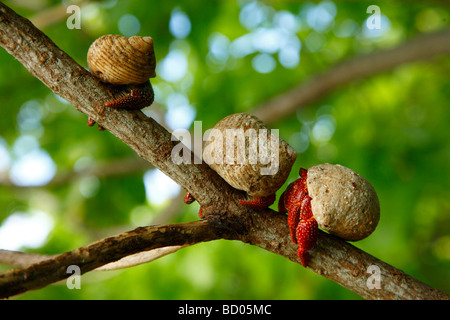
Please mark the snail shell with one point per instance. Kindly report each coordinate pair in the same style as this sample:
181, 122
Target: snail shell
343, 202
121, 60
245, 174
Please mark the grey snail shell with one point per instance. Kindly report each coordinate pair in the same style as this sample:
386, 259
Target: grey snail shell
121, 60
245, 174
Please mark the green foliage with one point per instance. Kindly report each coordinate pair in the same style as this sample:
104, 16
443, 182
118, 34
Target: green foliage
392, 128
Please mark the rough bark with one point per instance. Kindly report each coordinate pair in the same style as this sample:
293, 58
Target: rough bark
224, 218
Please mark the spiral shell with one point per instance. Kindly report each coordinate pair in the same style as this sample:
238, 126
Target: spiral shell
343, 202
257, 176
121, 60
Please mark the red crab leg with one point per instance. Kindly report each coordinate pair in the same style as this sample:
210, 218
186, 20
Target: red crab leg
307, 231
137, 99
188, 199
293, 220
259, 203
140, 96
291, 200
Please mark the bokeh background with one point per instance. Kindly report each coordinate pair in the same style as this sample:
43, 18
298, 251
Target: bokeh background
64, 185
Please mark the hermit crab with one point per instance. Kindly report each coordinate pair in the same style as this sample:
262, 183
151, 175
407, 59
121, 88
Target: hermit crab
332, 197
249, 156
125, 62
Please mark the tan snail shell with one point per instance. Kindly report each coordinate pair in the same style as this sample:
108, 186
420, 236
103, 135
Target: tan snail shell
121, 60
245, 174
343, 202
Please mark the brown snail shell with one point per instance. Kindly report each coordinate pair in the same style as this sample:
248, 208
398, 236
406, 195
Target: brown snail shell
245, 174
121, 60
343, 202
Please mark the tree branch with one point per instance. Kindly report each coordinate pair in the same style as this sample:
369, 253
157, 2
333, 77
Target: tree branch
23, 259
140, 258
420, 48
103, 252
225, 218
339, 261
68, 79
